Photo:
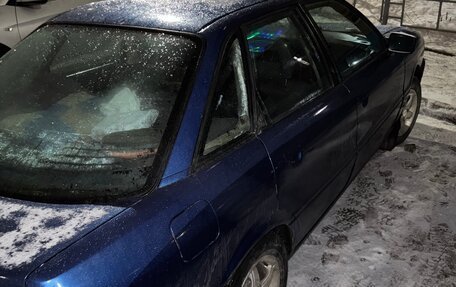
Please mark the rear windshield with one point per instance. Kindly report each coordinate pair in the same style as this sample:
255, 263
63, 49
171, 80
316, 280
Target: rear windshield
83, 109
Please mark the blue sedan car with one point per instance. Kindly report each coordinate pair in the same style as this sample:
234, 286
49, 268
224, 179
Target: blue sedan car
190, 143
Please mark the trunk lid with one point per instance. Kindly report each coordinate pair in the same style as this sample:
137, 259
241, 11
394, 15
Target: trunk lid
31, 233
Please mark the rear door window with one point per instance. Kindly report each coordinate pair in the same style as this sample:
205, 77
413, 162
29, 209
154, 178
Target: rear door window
287, 70
229, 115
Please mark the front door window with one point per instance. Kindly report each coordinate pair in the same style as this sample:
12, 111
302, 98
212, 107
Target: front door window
351, 40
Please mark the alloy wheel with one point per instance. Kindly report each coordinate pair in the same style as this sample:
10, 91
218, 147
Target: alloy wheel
264, 273
409, 111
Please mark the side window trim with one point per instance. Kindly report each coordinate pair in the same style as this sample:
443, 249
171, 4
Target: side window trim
320, 44
199, 159
296, 14
257, 116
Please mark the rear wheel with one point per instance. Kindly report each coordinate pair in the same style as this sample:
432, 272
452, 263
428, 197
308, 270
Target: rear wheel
265, 266
407, 118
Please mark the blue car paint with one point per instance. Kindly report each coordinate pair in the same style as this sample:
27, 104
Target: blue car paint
377, 112
181, 157
137, 247
198, 221
140, 239
378, 107
312, 148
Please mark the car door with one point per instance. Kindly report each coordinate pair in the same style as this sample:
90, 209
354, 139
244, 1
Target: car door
31, 14
368, 70
311, 120
233, 168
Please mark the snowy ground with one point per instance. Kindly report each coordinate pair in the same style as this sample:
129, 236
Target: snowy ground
423, 13
395, 225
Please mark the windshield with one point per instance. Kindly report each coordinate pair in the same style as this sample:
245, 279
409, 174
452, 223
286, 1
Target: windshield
83, 109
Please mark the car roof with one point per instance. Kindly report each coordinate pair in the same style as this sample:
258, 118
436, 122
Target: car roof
180, 15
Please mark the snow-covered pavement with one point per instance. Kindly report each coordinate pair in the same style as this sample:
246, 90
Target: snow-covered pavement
396, 224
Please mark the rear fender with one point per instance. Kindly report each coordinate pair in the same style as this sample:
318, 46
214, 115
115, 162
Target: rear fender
249, 242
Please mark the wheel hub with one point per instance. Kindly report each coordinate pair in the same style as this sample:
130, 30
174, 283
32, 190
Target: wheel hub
408, 112
264, 273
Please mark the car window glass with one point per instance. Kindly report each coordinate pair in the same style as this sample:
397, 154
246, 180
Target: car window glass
287, 70
230, 114
351, 40
84, 109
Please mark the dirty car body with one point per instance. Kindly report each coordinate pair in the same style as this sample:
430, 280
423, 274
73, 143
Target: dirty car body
157, 143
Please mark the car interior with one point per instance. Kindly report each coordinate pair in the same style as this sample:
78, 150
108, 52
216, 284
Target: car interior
230, 115
350, 43
88, 87
286, 75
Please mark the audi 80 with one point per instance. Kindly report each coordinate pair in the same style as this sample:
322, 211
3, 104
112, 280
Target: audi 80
190, 143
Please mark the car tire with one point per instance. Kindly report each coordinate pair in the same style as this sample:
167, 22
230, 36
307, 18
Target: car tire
266, 264
407, 117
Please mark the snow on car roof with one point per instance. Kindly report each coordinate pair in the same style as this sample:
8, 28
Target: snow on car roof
181, 15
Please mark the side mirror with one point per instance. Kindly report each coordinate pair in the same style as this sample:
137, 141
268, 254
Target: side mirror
400, 42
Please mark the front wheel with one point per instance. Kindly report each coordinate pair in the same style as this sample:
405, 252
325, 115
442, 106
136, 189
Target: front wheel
265, 266
407, 118
409, 112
